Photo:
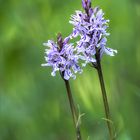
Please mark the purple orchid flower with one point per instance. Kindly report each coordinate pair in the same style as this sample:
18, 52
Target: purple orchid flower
91, 26
61, 56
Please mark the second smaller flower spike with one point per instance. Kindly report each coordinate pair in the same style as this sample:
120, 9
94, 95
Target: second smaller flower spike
61, 56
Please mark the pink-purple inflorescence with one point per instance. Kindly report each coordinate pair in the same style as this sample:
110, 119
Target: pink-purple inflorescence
91, 27
62, 57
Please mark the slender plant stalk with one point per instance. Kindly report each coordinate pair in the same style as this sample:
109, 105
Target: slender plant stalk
104, 95
73, 110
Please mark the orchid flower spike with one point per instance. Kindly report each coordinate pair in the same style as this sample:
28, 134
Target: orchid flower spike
62, 57
91, 26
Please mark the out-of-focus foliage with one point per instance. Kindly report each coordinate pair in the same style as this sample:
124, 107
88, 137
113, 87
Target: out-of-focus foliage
34, 105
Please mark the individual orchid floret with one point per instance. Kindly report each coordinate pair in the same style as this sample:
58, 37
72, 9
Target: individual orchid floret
91, 26
61, 56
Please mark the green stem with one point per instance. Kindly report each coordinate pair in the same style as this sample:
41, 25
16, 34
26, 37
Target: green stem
104, 95
73, 109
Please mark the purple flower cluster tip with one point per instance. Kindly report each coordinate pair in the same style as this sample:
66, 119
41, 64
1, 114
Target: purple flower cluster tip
86, 4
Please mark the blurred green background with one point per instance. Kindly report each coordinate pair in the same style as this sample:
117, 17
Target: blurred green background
34, 105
